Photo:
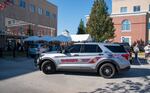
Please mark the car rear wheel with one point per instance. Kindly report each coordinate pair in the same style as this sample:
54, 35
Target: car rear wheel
107, 70
48, 67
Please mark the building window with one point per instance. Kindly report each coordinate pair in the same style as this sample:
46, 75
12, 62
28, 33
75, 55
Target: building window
9, 22
40, 11
52, 17
123, 9
32, 8
126, 39
22, 3
13, 21
126, 25
148, 25
136, 8
47, 13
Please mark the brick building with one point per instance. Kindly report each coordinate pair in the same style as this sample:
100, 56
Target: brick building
40, 16
131, 20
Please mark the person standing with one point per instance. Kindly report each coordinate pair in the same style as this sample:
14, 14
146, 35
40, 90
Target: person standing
147, 50
136, 50
14, 50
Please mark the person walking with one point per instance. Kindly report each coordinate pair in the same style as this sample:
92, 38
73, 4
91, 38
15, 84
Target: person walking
136, 50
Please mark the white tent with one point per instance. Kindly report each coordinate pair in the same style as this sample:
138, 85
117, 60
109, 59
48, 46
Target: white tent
81, 38
46, 38
32, 38
62, 38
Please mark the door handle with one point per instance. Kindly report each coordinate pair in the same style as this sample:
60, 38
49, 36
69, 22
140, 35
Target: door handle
100, 54
76, 55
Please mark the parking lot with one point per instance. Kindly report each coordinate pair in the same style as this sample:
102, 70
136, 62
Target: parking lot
20, 76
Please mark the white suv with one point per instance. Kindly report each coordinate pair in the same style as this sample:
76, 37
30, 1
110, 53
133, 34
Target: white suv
37, 48
106, 59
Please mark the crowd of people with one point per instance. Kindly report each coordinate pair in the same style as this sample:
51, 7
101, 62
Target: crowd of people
136, 50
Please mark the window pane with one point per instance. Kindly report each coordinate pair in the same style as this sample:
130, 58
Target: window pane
91, 49
74, 49
116, 49
47, 13
40, 11
136, 8
123, 9
148, 25
126, 25
22, 3
32, 8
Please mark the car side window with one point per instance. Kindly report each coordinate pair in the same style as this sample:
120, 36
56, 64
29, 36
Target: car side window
74, 49
91, 49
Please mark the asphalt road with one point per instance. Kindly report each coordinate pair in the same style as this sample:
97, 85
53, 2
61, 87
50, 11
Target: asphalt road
20, 76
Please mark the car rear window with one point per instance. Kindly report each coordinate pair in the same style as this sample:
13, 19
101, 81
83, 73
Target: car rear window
116, 49
91, 49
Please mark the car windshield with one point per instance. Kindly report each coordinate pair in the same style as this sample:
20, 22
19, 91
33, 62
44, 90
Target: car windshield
54, 48
34, 46
116, 48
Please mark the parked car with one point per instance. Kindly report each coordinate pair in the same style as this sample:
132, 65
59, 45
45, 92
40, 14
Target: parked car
105, 59
36, 49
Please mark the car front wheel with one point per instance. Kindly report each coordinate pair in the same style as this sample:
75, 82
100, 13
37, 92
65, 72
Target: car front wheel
48, 67
107, 70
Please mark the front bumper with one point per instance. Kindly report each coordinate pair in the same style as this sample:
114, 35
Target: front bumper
37, 62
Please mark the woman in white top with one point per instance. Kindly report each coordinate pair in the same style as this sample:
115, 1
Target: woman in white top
147, 50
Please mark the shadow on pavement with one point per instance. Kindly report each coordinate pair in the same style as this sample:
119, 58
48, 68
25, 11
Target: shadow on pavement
17, 67
135, 72
126, 86
132, 73
78, 73
142, 61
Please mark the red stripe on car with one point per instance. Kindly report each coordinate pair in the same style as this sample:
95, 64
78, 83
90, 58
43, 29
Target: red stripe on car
68, 61
94, 60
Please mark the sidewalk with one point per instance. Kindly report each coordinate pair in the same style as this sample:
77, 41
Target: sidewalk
17, 59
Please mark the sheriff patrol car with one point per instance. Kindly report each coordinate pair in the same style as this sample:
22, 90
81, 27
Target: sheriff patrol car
106, 59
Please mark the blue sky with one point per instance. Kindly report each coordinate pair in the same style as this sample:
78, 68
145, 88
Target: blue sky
70, 13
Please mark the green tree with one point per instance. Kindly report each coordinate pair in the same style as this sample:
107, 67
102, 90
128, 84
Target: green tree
100, 25
30, 31
81, 28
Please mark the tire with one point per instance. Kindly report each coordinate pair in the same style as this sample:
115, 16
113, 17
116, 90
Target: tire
107, 70
48, 67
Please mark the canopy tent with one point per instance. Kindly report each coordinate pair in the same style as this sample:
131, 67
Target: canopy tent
46, 38
32, 38
62, 38
81, 38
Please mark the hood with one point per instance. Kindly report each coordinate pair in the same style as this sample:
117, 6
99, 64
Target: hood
53, 54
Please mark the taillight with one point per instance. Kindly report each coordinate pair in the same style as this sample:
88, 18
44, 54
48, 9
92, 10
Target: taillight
126, 56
